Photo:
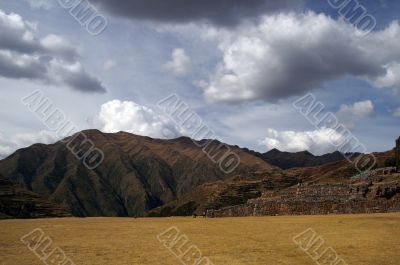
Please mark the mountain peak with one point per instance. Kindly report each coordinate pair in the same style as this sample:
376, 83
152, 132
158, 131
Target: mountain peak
274, 150
307, 153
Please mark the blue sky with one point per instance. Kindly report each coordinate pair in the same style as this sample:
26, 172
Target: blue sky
239, 75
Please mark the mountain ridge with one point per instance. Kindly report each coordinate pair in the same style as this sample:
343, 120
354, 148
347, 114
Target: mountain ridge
142, 175
138, 173
286, 160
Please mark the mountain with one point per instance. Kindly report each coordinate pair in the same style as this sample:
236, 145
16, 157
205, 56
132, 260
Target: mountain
138, 173
286, 160
140, 176
16, 202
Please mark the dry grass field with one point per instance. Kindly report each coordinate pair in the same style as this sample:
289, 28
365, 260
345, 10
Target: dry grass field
357, 239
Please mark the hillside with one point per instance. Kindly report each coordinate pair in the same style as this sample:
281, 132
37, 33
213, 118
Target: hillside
233, 191
16, 202
137, 174
239, 189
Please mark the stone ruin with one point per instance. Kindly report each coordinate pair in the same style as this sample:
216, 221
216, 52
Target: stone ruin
373, 191
374, 174
320, 199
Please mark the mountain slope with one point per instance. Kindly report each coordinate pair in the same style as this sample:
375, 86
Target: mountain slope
137, 174
16, 202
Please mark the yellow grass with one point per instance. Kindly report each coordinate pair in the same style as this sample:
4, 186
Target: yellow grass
358, 239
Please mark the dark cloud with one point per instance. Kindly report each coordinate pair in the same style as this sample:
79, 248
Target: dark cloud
219, 12
83, 82
50, 59
16, 34
20, 66
11, 41
291, 54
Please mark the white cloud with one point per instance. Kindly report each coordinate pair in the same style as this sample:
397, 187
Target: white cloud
317, 142
360, 109
58, 45
8, 145
391, 79
130, 117
180, 63
396, 113
290, 54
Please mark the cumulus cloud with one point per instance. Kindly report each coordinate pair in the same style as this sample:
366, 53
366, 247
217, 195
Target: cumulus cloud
317, 142
8, 145
290, 54
360, 109
50, 59
17, 34
180, 63
391, 79
128, 116
59, 46
218, 12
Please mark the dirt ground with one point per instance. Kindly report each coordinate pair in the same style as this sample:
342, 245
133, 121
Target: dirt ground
354, 239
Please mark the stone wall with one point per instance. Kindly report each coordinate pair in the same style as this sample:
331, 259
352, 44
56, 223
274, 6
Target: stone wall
320, 200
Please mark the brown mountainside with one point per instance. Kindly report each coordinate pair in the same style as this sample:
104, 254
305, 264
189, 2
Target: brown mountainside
137, 174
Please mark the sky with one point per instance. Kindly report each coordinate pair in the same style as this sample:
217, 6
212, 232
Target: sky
238, 65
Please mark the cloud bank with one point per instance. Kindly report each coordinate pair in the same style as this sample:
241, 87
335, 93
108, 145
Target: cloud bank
51, 59
291, 54
226, 13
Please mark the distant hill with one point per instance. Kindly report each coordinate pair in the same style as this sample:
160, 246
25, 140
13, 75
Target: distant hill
286, 160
